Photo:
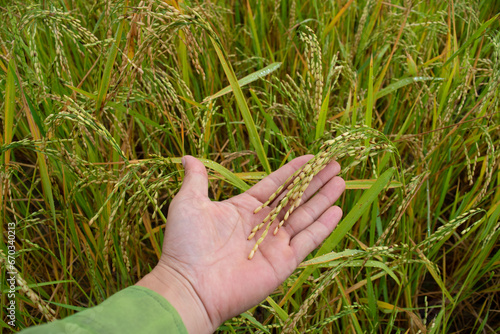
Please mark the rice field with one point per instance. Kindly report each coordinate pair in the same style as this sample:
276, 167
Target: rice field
100, 100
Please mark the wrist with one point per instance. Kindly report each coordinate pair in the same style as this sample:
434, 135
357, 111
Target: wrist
179, 292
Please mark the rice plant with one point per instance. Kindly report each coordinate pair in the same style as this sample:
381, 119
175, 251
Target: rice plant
101, 99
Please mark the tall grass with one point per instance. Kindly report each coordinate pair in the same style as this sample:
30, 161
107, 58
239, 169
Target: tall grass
100, 99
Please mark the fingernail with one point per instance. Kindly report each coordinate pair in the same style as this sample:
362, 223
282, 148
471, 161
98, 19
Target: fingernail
183, 161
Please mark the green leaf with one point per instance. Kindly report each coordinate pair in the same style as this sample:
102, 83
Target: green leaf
145, 119
332, 256
38, 285
270, 122
69, 307
281, 313
37, 131
355, 213
368, 263
333, 259
242, 105
81, 91
365, 184
320, 126
401, 83
471, 40
255, 322
106, 76
352, 217
246, 80
10, 109
369, 100
226, 173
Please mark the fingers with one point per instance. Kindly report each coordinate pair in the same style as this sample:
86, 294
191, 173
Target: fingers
311, 237
308, 213
195, 177
262, 190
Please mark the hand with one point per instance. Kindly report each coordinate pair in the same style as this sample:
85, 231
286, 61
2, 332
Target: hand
204, 271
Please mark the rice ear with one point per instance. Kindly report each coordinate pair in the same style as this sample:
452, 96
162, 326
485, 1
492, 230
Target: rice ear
350, 142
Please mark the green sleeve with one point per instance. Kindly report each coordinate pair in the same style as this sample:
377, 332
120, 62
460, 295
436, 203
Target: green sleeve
135, 309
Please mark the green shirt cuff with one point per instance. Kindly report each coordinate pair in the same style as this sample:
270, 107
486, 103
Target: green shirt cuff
135, 309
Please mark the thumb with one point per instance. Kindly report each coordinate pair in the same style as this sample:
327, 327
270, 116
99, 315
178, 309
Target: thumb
195, 177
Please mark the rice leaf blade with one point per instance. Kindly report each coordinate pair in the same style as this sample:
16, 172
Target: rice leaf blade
320, 126
10, 109
344, 226
400, 84
106, 75
471, 39
246, 80
242, 105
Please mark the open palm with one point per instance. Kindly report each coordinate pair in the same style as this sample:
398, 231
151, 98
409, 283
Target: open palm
206, 242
